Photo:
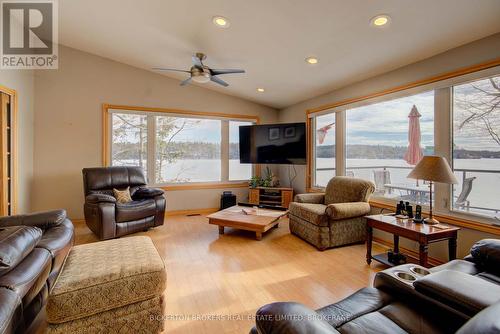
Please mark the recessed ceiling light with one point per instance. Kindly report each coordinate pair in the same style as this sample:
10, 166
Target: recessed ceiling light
220, 21
312, 60
260, 90
380, 20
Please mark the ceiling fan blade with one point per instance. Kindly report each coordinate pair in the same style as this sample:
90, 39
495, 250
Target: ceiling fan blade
185, 82
226, 71
169, 69
197, 61
219, 81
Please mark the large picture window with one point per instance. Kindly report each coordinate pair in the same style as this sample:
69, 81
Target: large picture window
476, 146
386, 140
187, 150
382, 138
178, 148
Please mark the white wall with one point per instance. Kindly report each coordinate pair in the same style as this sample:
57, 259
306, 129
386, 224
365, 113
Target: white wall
23, 82
68, 128
470, 54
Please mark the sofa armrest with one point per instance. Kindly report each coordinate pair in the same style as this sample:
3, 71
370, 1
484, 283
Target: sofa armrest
99, 198
43, 220
486, 254
339, 211
311, 198
463, 292
143, 193
291, 318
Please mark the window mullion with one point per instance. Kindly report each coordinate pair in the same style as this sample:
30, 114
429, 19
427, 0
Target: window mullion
442, 143
340, 142
151, 149
224, 151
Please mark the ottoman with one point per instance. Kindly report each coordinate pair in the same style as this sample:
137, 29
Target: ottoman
112, 286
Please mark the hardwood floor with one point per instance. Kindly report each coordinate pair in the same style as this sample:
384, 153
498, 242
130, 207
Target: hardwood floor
230, 276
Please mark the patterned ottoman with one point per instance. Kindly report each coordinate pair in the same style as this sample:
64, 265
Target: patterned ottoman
112, 286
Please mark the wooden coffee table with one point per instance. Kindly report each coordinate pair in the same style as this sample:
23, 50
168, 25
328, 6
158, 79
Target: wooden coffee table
424, 234
257, 220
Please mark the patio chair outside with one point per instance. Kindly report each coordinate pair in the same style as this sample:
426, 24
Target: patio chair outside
462, 202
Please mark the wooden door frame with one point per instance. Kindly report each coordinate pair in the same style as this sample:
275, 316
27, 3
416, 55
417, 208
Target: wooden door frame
14, 145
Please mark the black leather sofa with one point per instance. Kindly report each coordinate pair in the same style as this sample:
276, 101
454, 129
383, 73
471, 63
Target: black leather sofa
462, 296
33, 249
109, 219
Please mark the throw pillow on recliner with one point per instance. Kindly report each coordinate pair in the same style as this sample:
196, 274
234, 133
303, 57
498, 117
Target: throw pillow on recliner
16, 243
122, 196
486, 254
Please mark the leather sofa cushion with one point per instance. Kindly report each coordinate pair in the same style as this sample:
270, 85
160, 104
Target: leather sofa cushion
454, 289
290, 318
16, 243
29, 277
135, 210
10, 311
361, 302
102, 276
58, 241
374, 322
43, 220
486, 254
313, 213
486, 322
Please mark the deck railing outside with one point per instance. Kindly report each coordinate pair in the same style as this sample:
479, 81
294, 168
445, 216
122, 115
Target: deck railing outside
463, 171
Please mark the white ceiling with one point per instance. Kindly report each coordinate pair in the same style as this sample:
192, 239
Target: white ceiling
271, 38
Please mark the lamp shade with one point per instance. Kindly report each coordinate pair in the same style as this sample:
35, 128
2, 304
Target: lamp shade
433, 168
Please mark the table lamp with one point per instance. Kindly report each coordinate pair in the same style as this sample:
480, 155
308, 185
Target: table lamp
433, 169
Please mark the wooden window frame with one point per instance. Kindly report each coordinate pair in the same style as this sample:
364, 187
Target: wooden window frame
106, 142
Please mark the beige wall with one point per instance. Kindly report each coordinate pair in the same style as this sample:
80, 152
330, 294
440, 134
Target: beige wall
68, 131
23, 82
470, 54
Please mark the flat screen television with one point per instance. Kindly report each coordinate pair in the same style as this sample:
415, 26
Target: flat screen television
273, 144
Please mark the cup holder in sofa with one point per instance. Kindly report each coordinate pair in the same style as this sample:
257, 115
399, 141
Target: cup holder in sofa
420, 271
405, 276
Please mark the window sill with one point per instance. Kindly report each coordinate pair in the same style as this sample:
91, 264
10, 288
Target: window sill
204, 185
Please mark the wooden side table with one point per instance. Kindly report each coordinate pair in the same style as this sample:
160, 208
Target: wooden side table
424, 234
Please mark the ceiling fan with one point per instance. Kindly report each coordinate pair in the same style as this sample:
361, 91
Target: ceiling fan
201, 73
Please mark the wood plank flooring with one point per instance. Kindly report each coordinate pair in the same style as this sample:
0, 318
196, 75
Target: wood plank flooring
229, 277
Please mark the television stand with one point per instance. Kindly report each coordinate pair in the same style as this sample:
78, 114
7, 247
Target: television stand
270, 197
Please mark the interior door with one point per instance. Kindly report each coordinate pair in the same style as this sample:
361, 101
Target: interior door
5, 155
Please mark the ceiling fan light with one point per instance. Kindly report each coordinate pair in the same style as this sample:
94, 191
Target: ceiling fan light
201, 78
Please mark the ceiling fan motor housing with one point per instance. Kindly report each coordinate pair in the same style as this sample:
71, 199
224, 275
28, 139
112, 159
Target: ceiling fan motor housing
200, 75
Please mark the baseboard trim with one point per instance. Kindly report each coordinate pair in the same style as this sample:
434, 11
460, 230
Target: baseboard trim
387, 244
191, 212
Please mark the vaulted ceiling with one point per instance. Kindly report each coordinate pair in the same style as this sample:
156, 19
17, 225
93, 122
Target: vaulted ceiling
271, 39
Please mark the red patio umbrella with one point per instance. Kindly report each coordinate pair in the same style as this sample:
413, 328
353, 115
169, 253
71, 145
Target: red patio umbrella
414, 152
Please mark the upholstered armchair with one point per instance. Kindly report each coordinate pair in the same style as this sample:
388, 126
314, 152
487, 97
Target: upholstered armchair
109, 219
335, 217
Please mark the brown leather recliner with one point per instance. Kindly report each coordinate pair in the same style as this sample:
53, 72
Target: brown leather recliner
33, 249
109, 219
